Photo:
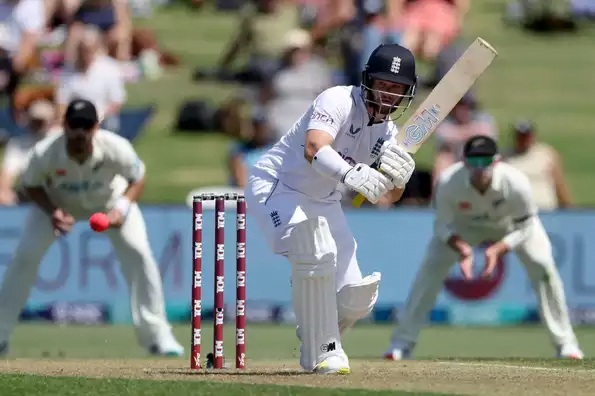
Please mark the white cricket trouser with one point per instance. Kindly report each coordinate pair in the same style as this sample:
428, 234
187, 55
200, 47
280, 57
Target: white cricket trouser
131, 245
535, 254
276, 208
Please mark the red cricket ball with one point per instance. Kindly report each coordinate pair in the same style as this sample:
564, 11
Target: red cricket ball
99, 222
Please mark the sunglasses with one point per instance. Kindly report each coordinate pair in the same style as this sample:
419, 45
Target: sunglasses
480, 162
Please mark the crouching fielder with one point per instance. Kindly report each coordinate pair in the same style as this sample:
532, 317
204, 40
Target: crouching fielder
70, 176
483, 200
293, 195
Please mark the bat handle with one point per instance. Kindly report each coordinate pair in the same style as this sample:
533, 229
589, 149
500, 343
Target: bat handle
358, 200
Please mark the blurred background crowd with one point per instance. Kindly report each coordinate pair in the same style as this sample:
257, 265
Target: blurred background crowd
203, 87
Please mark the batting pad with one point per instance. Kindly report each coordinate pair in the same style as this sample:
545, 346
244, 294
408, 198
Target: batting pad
356, 301
312, 252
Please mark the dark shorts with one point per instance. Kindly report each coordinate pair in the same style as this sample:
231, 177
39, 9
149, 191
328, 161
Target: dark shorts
104, 18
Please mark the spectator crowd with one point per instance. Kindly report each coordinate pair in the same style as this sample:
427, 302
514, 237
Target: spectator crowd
91, 49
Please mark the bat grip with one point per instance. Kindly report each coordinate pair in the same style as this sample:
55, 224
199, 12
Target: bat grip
358, 200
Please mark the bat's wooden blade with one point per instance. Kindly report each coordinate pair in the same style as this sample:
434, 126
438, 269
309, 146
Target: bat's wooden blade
443, 98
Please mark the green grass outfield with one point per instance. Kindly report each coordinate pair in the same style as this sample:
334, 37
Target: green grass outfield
106, 360
549, 79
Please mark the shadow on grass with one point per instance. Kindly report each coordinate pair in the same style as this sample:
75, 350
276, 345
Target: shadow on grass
232, 372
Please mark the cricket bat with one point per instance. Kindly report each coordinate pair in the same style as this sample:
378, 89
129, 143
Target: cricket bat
443, 98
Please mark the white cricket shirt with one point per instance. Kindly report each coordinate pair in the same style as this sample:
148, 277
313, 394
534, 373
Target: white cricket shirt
93, 186
507, 206
340, 111
102, 84
24, 16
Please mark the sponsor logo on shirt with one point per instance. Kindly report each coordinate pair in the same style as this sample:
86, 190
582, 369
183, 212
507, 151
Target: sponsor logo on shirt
80, 186
464, 205
353, 131
347, 158
318, 116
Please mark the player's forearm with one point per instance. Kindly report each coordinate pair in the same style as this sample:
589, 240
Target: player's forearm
562, 190
7, 195
134, 191
395, 194
40, 198
131, 195
317, 140
519, 235
455, 242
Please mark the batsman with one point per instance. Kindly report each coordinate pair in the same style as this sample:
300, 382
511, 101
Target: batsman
483, 200
293, 194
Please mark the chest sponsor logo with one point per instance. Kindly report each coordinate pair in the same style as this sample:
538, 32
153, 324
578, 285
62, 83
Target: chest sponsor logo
353, 131
80, 186
481, 217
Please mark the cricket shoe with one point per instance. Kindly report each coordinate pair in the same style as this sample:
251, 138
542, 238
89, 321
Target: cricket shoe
569, 351
167, 346
338, 364
398, 351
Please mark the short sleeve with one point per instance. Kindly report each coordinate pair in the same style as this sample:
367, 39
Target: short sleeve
35, 172
523, 206
129, 165
330, 111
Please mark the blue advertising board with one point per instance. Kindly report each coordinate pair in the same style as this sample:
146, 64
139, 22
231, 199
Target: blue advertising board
82, 268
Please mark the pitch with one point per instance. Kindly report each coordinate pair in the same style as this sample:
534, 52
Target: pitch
69, 360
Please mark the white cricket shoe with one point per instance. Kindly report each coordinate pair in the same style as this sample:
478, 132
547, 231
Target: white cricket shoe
398, 351
167, 346
569, 351
338, 364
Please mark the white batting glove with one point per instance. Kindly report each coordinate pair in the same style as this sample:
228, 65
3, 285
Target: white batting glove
368, 182
397, 164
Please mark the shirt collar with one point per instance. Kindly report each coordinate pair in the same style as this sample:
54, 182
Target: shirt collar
496, 184
96, 155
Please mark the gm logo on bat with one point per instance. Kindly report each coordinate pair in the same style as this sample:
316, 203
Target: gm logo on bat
423, 124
